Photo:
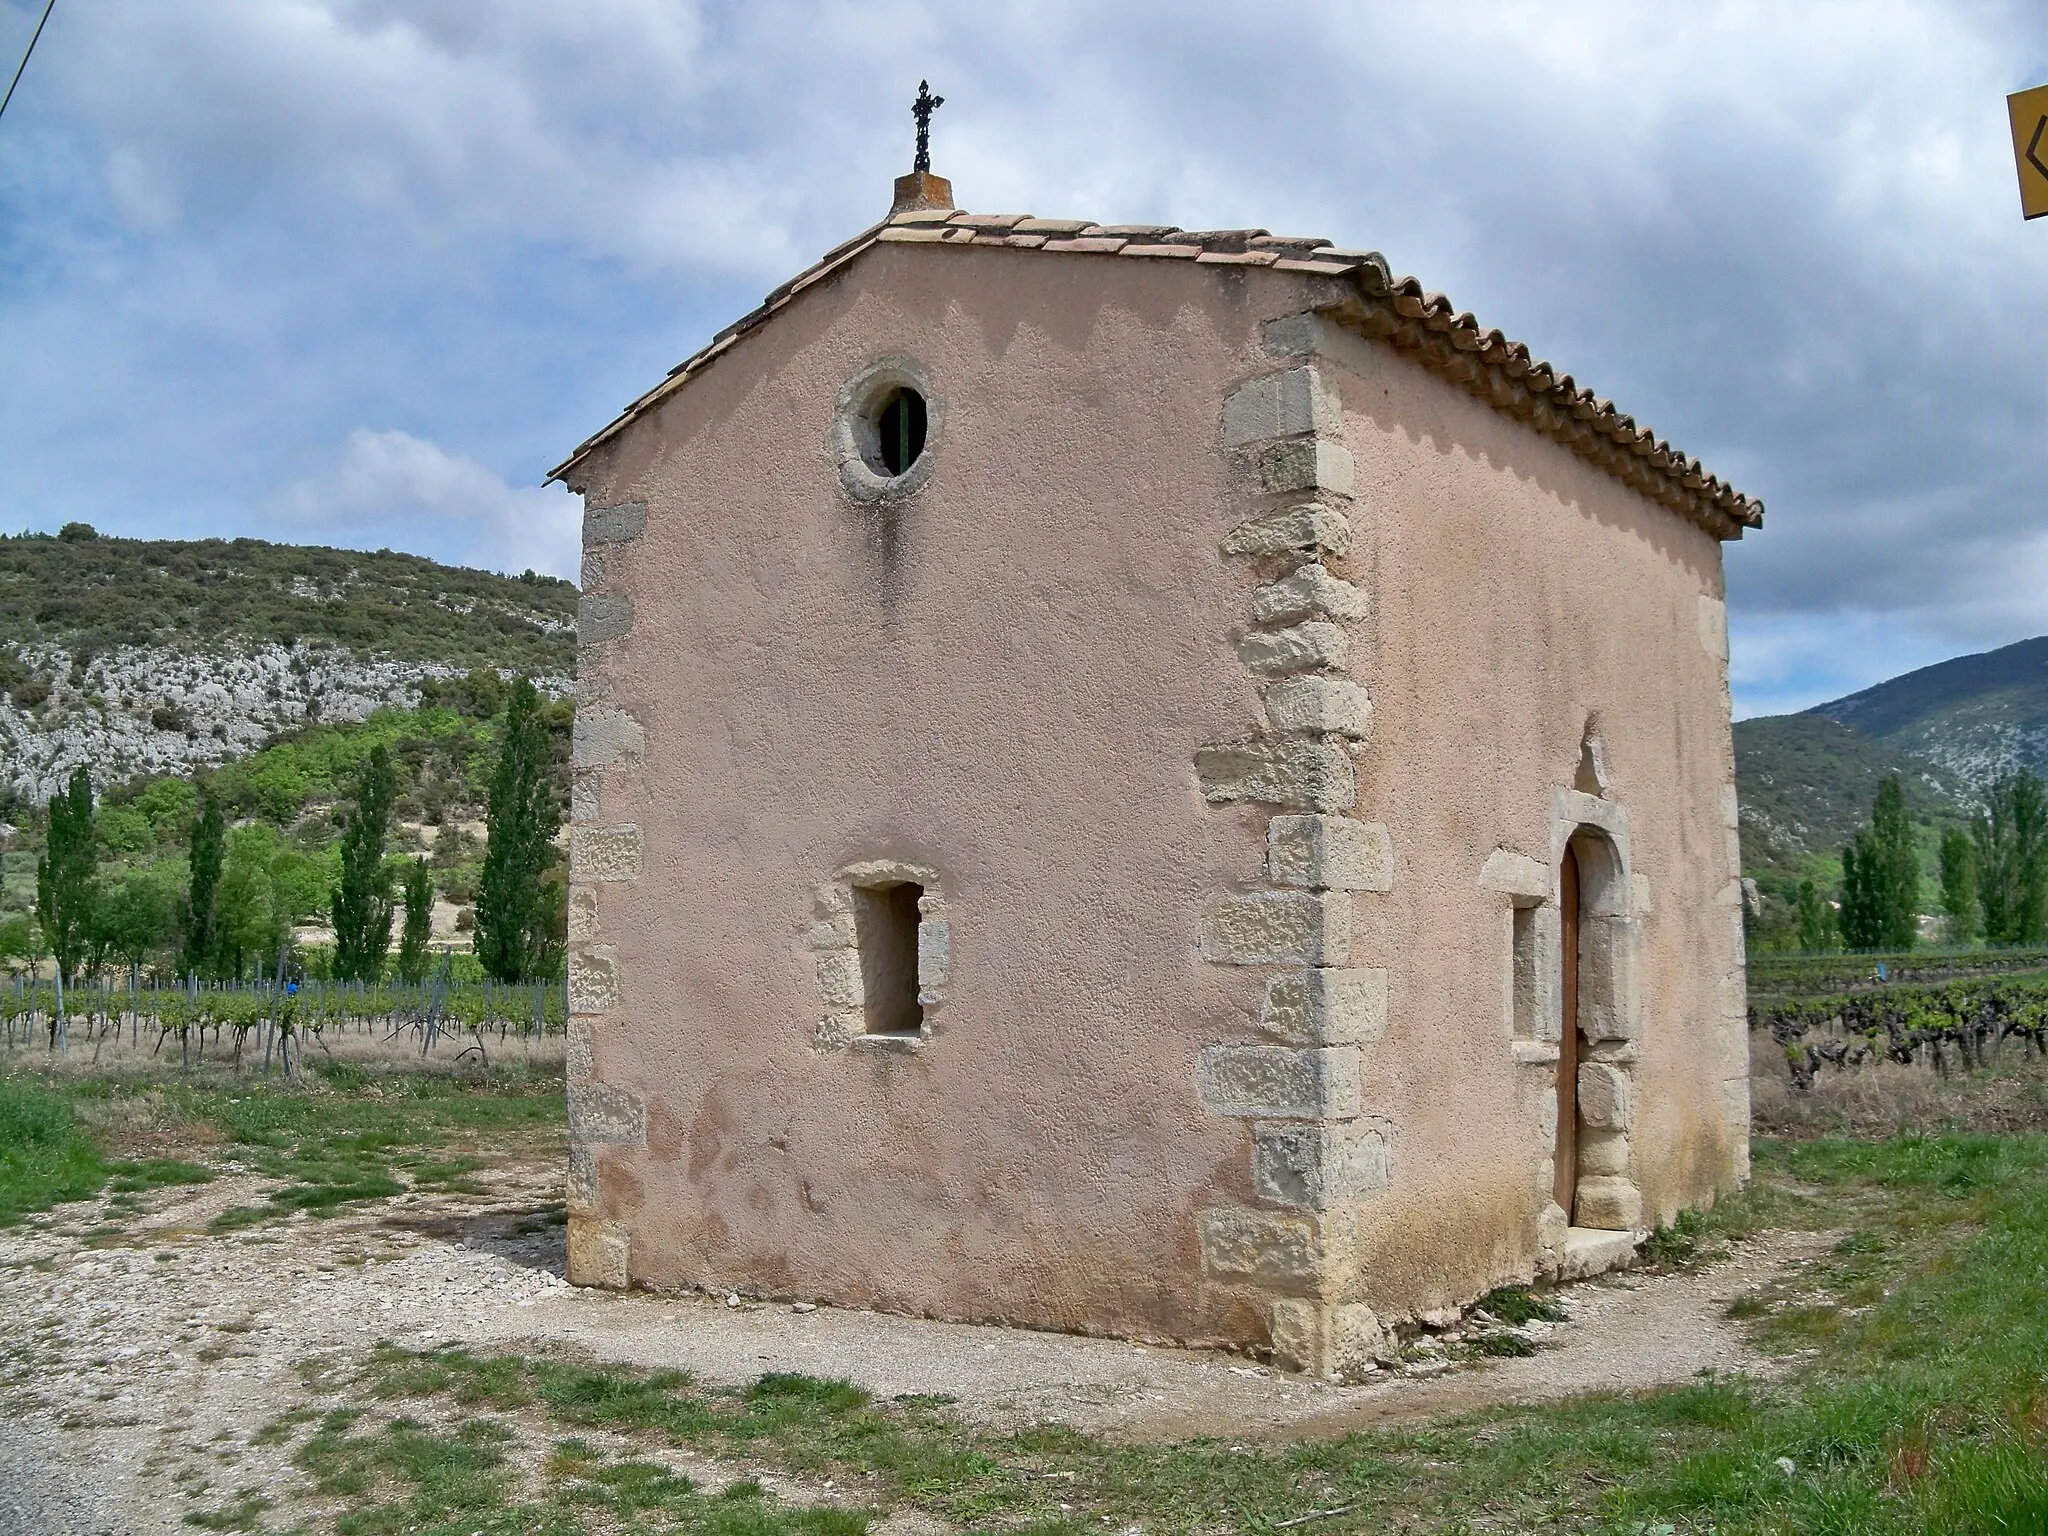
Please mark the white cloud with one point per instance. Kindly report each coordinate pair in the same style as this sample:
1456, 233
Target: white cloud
393, 490
1786, 237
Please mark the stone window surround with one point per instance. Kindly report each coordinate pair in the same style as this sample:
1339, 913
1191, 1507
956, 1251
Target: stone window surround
852, 441
836, 946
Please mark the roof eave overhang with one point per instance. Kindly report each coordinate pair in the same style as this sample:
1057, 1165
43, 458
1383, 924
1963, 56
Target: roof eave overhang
1373, 303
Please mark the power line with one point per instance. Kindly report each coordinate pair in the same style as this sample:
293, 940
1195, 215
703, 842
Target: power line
51, 6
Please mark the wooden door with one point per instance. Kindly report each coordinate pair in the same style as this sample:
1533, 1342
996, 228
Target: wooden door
1564, 1181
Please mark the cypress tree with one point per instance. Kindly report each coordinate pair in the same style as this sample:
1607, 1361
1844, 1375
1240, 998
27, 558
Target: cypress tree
511, 916
2011, 834
204, 861
1816, 921
64, 873
1896, 856
362, 899
1959, 884
1881, 877
419, 922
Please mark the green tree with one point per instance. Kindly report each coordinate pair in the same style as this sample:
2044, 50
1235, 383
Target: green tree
250, 924
419, 921
2011, 834
1881, 877
137, 917
64, 874
1959, 884
1816, 920
204, 860
512, 919
362, 897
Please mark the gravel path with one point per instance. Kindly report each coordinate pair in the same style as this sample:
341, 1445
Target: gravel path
137, 1366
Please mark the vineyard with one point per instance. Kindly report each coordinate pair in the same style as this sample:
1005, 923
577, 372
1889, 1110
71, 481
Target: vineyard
1958, 1025
1797, 975
265, 1026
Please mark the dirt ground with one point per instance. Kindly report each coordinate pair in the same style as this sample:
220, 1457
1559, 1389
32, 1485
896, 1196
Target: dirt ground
138, 1358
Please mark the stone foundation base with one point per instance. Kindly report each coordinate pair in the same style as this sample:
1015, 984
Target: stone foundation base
1321, 1339
598, 1252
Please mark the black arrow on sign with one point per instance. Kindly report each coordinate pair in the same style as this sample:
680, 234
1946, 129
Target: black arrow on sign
2035, 143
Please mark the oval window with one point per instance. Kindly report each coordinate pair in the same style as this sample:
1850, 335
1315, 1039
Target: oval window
899, 430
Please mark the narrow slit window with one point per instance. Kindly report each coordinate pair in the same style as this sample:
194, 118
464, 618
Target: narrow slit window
1527, 1000
885, 920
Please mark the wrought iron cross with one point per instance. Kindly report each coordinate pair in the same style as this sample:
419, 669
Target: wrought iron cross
922, 109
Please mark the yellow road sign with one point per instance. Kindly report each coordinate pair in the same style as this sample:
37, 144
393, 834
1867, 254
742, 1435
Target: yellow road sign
2030, 147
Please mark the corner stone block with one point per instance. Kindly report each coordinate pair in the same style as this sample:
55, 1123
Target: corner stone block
1732, 994
1324, 705
1295, 772
604, 853
1326, 1006
615, 524
599, 1112
582, 1199
1735, 1103
1329, 853
1291, 530
582, 916
598, 1252
599, 617
593, 979
1334, 1342
605, 738
1310, 593
1309, 464
583, 796
1283, 1254
1315, 646
839, 979
1291, 403
1714, 627
1608, 1205
1278, 1082
579, 1064
1605, 1100
1277, 928
1315, 1167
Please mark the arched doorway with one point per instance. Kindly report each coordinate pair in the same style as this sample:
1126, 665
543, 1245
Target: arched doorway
1565, 1155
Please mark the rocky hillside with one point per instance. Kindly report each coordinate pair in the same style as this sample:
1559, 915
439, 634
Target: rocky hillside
1807, 780
1806, 784
137, 656
1973, 715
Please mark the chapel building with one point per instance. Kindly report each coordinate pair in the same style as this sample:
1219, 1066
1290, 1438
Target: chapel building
1147, 782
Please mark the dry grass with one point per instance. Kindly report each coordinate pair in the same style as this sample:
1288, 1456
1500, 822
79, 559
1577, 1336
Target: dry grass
1885, 1099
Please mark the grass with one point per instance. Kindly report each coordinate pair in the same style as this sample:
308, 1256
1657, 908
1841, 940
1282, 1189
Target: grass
1919, 1403
1922, 1407
47, 1157
327, 1144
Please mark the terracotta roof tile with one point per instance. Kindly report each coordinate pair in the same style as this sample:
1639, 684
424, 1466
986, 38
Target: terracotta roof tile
1397, 311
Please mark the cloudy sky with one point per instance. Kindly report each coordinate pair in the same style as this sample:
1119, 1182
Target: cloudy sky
360, 271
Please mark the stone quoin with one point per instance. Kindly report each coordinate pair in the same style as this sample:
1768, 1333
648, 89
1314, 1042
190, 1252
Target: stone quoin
1120, 775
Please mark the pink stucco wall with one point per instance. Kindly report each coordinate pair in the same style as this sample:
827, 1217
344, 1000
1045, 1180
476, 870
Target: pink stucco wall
1010, 688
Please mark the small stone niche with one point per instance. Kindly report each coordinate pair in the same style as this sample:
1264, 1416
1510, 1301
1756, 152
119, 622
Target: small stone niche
885, 923
883, 946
